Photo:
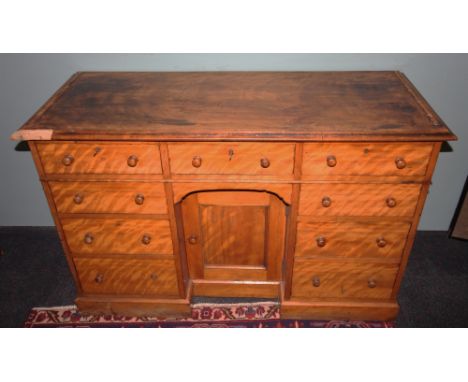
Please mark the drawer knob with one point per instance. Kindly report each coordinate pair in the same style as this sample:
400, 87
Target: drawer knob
139, 199
321, 241
146, 239
153, 276
78, 199
264, 162
331, 161
67, 160
381, 242
391, 202
99, 278
88, 238
196, 161
371, 283
132, 161
192, 239
326, 201
316, 281
400, 163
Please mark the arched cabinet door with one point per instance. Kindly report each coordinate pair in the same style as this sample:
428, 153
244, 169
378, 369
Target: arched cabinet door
234, 235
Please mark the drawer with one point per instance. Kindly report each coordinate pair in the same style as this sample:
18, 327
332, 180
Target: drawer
118, 236
341, 199
329, 279
375, 159
109, 197
131, 277
99, 158
351, 239
272, 159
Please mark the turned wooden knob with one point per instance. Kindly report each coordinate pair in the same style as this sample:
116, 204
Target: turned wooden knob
400, 163
192, 239
326, 201
264, 162
321, 241
146, 239
139, 199
381, 242
132, 161
99, 278
371, 283
391, 202
331, 161
316, 281
88, 238
153, 276
196, 161
67, 160
78, 199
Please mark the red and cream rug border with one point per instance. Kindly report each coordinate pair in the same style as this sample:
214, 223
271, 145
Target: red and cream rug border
252, 315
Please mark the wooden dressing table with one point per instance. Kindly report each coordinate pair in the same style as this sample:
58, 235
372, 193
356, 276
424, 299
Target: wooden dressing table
306, 187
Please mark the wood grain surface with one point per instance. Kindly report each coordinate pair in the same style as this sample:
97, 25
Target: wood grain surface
342, 280
359, 199
99, 157
374, 159
109, 197
232, 158
127, 277
356, 239
240, 106
117, 236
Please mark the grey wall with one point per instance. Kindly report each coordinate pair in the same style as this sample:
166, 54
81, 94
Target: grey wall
26, 82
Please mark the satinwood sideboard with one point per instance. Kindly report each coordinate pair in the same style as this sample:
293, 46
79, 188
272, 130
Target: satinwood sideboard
303, 187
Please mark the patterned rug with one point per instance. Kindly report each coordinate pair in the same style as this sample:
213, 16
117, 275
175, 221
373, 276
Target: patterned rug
252, 315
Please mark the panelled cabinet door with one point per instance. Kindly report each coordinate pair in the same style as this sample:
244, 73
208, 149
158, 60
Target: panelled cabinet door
234, 235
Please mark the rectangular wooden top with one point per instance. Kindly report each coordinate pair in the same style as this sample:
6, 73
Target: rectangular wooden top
274, 106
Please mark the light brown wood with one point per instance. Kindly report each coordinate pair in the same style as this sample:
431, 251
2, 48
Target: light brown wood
326, 309
342, 280
213, 288
183, 189
232, 158
235, 230
356, 239
358, 199
363, 159
109, 197
99, 158
127, 277
303, 187
117, 236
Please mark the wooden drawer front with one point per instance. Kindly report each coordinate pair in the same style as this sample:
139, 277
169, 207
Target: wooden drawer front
358, 199
99, 158
118, 236
132, 277
377, 159
351, 239
336, 279
273, 159
109, 197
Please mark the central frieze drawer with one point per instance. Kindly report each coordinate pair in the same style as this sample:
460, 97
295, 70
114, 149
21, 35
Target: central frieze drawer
329, 279
100, 158
340, 199
118, 236
351, 239
109, 197
244, 158
127, 277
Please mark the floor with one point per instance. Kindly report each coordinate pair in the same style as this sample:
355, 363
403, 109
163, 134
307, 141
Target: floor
34, 272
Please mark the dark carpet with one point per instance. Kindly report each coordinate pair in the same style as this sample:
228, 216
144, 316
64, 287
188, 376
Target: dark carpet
34, 272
